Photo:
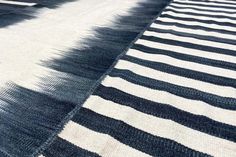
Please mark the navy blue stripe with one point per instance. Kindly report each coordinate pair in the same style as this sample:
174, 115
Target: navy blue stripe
165, 111
197, 36
10, 18
214, 63
189, 7
200, 14
63, 148
145, 142
218, 80
194, 27
28, 118
200, 20
214, 2
189, 93
175, 42
13, 14
208, 5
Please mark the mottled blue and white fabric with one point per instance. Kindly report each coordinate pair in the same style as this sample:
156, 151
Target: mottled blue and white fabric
52, 53
138, 78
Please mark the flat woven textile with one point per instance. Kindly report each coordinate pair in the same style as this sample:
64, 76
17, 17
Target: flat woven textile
154, 78
173, 92
53, 53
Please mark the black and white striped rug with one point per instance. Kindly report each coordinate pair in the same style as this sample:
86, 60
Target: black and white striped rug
153, 77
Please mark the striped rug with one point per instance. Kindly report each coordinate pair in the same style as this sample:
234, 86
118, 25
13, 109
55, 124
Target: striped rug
117, 78
172, 94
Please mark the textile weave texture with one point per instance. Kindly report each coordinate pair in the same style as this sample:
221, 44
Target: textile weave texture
135, 78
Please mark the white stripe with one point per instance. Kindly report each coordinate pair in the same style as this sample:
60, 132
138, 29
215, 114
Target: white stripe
164, 128
189, 51
183, 64
189, 105
41, 155
198, 11
171, 78
191, 40
190, 23
205, 3
17, 3
199, 17
96, 142
205, 7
